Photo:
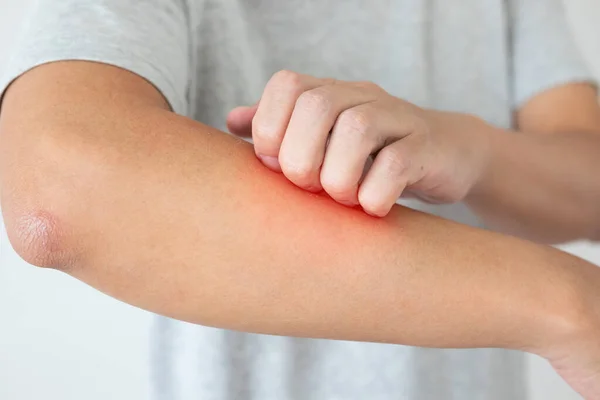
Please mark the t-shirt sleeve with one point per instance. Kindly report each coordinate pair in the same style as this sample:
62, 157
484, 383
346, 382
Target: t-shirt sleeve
544, 51
149, 38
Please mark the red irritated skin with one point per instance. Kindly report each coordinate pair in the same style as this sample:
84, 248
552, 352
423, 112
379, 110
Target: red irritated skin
322, 133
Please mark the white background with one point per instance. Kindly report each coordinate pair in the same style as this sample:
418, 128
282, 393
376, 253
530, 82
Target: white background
60, 339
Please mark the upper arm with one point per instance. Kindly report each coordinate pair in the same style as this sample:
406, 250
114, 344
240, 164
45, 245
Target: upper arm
553, 89
148, 38
568, 108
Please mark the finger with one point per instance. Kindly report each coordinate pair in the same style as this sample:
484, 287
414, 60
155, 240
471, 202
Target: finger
396, 166
356, 134
314, 115
275, 110
239, 120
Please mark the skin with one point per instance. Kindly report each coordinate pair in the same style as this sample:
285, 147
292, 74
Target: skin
99, 180
322, 133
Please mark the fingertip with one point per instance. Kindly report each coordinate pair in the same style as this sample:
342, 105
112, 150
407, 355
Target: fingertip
377, 213
239, 120
236, 113
373, 206
348, 203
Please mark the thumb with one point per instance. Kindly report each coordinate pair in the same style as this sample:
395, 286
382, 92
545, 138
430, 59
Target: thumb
239, 120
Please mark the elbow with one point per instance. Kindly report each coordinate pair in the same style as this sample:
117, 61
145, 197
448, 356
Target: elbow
37, 237
37, 209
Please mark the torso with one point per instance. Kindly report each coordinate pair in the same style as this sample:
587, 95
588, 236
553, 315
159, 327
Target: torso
424, 51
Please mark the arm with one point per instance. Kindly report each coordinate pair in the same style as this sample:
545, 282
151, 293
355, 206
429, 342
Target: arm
99, 180
542, 182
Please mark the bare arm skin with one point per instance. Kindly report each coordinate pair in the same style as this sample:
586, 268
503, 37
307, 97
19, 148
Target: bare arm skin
542, 181
99, 180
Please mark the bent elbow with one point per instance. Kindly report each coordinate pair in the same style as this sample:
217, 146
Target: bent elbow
38, 239
36, 207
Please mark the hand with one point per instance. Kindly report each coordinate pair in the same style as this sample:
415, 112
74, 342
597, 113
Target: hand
580, 367
575, 354
323, 134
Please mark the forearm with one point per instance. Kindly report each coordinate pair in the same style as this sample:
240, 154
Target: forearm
543, 187
180, 219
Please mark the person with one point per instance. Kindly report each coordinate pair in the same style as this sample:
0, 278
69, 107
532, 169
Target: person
284, 267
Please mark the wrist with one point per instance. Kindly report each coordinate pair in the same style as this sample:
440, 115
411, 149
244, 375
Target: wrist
569, 317
471, 140
487, 139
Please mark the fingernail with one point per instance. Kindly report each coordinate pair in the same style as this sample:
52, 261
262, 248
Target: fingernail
348, 203
270, 162
314, 189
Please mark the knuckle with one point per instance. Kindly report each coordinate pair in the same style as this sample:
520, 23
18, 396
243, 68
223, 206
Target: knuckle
265, 131
368, 85
372, 204
355, 122
316, 100
393, 161
336, 187
301, 173
287, 78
